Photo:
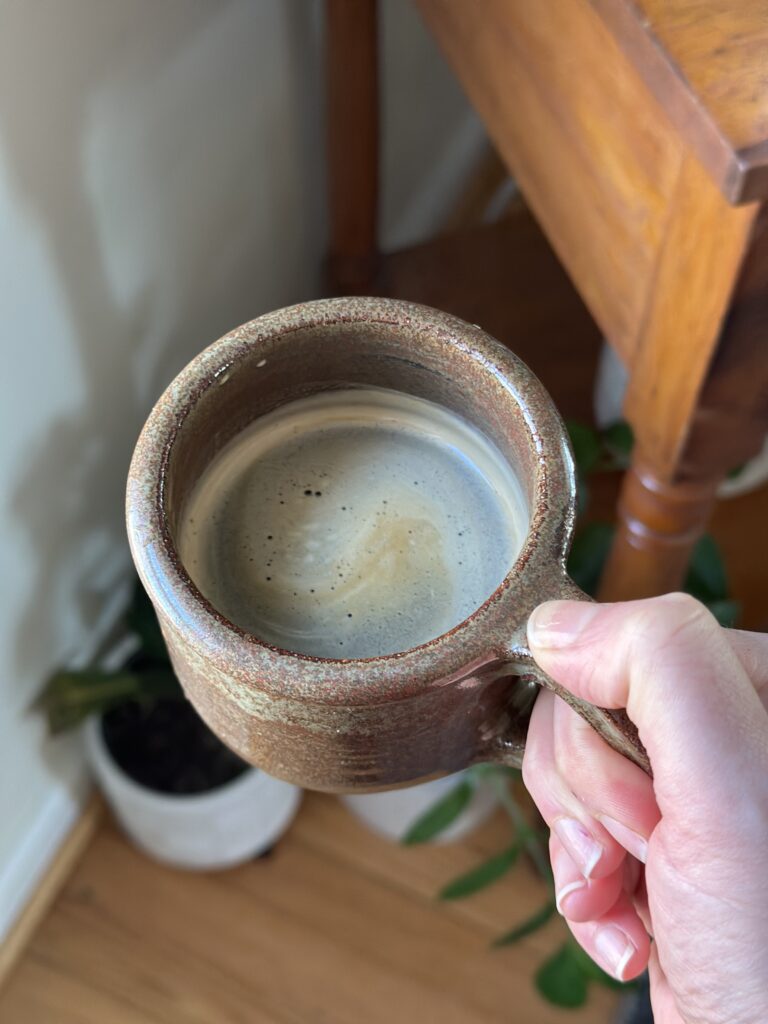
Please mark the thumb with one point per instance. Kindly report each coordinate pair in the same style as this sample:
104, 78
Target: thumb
668, 662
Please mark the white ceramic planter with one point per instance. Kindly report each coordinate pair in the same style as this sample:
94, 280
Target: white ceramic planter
209, 831
391, 814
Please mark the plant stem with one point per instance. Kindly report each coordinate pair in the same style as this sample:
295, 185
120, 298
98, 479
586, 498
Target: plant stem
522, 828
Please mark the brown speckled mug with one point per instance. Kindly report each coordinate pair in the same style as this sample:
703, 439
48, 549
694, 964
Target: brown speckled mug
376, 722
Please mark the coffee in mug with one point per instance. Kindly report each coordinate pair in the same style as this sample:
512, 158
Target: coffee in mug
367, 418
353, 523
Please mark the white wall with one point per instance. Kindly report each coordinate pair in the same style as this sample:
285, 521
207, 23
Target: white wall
161, 180
431, 136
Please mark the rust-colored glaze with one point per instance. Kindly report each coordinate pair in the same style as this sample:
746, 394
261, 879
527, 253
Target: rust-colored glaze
370, 723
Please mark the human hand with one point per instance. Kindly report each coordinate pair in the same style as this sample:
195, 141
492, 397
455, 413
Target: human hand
684, 857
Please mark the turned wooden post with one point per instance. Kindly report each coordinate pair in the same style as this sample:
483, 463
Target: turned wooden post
698, 393
352, 115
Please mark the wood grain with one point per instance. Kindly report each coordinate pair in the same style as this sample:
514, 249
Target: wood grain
336, 925
704, 245
67, 856
589, 145
705, 62
352, 124
677, 387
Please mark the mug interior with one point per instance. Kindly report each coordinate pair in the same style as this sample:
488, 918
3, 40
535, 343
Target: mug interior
247, 380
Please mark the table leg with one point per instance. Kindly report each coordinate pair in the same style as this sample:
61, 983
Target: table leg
352, 115
698, 393
659, 522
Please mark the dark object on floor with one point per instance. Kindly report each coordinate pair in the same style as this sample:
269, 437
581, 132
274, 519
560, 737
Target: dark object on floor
636, 1009
165, 746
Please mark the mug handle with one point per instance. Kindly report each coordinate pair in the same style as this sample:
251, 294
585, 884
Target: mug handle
612, 724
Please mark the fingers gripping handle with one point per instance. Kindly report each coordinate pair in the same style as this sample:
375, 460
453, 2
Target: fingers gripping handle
612, 724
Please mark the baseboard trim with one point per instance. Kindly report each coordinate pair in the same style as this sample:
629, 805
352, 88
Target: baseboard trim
50, 884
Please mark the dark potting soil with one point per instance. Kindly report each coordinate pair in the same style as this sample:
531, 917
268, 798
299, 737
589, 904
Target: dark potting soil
167, 747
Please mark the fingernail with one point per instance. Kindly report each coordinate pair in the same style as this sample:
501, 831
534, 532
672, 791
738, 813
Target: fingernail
615, 949
632, 841
581, 845
558, 623
566, 891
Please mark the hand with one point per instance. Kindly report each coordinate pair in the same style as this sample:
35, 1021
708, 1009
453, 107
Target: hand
682, 858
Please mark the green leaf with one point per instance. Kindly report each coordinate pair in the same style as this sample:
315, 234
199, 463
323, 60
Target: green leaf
527, 927
70, 697
619, 442
440, 815
588, 555
726, 612
141, 619
736, 471
586, 445
561, 980
706, 578
481, 876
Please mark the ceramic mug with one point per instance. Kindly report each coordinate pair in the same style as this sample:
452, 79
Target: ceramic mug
361, 724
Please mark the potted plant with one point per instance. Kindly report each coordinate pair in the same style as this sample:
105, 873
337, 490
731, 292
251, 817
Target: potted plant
178, 792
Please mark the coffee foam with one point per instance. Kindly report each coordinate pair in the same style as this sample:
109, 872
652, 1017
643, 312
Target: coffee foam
353, 523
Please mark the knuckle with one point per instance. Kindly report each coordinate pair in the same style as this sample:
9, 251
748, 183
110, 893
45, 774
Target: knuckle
682, 604
671, 618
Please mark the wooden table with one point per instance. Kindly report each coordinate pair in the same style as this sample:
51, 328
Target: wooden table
638, 133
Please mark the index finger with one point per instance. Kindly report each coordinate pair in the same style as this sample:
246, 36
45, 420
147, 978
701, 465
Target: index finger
671, 665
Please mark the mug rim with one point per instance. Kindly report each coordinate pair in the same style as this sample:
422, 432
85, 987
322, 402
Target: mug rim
484, 636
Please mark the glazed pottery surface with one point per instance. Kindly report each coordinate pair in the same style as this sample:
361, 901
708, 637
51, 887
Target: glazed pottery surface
364, 724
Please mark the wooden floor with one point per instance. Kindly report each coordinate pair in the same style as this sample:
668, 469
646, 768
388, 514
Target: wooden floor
335, 926
338, 926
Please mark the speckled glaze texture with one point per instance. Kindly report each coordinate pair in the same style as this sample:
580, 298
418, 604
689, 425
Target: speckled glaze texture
343, 725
